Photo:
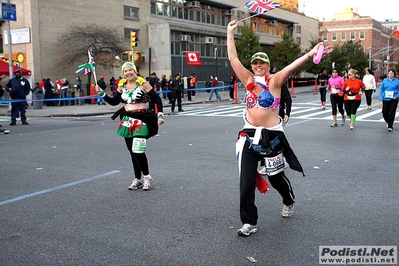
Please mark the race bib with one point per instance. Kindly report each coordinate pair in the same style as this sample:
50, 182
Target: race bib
335, 90
389, 94
351, 97
274, 165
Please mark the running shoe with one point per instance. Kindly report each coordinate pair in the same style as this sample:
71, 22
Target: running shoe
287, 211
390, 129
147, 185
247, 229
343, 121
137, 183
351, 127
334, 124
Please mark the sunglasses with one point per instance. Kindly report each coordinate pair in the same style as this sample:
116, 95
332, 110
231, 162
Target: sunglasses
260, 56
334, 72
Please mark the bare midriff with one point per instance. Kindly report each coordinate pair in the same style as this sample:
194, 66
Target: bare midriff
136, 106
263, 117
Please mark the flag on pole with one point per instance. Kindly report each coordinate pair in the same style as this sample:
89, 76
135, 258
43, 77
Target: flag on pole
193, 59
262, 6
91, 60
84, 69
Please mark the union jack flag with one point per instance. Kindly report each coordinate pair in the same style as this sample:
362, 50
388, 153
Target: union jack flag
84, 69
262, 6
91, 59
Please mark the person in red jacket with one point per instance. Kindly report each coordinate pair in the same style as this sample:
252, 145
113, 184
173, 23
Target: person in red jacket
353, 88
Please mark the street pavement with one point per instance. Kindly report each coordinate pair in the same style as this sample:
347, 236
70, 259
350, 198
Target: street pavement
64, 197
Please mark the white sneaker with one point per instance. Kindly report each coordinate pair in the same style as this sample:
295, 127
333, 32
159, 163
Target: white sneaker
247, 229
137, 183
147, 185
287, 211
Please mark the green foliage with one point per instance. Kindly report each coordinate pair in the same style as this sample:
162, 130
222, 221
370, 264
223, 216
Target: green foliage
284, 53
247, 45
348, 55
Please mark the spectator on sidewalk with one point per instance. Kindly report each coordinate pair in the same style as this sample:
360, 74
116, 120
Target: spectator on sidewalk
214, 84
176, 87
62, 86
18, 87
233, 81
78, 90
103, 86
193, 84
164, 85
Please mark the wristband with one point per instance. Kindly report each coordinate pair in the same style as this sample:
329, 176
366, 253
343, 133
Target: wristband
102, 93
160, 115
309, 56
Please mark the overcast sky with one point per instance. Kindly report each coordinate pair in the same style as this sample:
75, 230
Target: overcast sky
379, 10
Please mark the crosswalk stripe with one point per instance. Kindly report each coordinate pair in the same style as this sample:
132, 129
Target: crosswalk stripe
299, 111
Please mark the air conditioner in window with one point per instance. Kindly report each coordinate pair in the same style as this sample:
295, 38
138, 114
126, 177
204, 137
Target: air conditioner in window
210, 40
186, 38
194, 4
228, 12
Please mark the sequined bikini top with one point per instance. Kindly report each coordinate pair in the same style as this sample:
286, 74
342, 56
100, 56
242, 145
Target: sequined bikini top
265, 100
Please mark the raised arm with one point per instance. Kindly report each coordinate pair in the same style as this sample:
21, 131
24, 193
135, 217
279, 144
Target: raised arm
281, 76
242, 73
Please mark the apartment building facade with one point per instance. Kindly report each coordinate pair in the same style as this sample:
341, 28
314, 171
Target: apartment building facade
375, 37
166, 30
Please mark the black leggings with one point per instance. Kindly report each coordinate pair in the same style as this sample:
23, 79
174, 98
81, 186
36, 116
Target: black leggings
139, 160
368, 96
389, 111
323, 91
337, 101
351, 107
249, 166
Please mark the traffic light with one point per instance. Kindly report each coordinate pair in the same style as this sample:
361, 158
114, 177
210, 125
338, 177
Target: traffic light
133, 39
125, 56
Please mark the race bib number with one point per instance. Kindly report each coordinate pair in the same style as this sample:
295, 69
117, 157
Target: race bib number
274, 165
335, 90
351, 97
389, 94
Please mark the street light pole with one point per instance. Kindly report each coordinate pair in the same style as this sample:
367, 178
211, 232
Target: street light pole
216, 62
388, 55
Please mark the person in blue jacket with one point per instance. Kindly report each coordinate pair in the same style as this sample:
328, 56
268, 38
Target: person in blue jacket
389, 95
18, 87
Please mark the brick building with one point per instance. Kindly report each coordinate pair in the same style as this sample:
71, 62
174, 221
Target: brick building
374, 37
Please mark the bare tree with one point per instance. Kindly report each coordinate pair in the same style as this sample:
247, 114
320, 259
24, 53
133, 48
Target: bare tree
106, 42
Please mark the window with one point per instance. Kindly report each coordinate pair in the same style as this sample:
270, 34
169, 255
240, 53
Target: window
343, 36
361, 35
180, 9
240, 14
298, 40
298, 28
353, 36
334, 36
325, 36
130, 12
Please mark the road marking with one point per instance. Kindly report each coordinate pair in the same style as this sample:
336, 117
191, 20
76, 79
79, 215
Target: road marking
57, 188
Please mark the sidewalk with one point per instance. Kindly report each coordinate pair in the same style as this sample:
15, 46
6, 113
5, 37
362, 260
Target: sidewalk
95, 109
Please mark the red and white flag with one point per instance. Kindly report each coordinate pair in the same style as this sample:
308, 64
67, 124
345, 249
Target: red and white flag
193, 59
262, 6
